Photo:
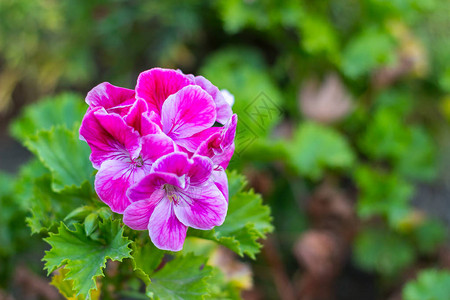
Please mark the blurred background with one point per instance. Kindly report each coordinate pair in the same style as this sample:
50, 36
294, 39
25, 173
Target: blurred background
344, 111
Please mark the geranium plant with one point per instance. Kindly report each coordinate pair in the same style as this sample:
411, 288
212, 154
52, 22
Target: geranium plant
141, 178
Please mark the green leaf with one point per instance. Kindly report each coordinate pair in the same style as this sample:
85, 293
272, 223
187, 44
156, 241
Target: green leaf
392, 137
429, 235
185, 277
243, 72
444, 80
223, 288
368, 50
383, 194
12, 215
60, 150
24, 185
383, 251
80, 213
64, 109
84, 257
65, 287
395, 138
90, 223
248, 220
420, 164
430, 285
319, 36
146, 258
316, 147
48, 208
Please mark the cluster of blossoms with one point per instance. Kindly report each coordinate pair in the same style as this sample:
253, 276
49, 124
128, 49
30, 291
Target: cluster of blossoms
160, 156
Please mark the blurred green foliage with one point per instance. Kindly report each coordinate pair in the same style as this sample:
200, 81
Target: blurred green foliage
390, 57
429, 285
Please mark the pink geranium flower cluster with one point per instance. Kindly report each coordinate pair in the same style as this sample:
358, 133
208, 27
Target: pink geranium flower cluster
160, 157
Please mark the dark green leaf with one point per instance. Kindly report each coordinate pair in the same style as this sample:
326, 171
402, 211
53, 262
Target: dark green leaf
383, 251
247, 220
146, 258
185, 277
84, 257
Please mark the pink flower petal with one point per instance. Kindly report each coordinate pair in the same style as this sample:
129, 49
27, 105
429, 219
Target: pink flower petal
109, 96
193, 142
166, 232
223, 108
200, 170
229, 98
134, 119
137, 214
109, 137
155, 146
202, 206
177, 163
151, 186
114, 179
220, 147
156, 85
219, 177
229, 132
151, 123
187, 112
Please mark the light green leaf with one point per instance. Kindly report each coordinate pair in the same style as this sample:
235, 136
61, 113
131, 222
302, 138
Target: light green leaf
319, 37
383, 251
64, 109
185, 277
243, 72
430, 285
60, 150
370, 49
84, 257
316, 147
90, 223
247, 220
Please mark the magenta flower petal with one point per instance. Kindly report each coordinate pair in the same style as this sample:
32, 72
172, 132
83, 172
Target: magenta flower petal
109, 137
219, 177
192, 143
109, 97
156, 85
200, 170
177, 163
137, 214
151, 185
134, 119
150, 123
165, 230
155, 146
223, 108
220, 147
114, 179
187, 112
201, 207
